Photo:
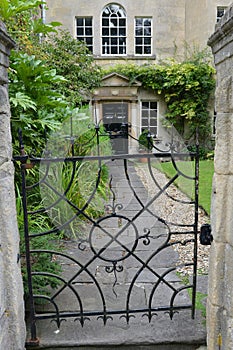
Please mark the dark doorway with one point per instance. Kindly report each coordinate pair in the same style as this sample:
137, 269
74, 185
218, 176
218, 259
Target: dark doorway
115, 119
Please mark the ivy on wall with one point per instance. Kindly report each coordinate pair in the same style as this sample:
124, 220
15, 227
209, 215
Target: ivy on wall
186, 87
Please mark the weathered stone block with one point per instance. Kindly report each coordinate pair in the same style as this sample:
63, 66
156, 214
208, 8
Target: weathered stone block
216, 282
228, 295
224, 146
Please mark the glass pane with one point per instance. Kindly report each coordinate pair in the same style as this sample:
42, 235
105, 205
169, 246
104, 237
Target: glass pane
122, 31
147, 31
80, 22
138, 41
80, 31
147, 22
105, 32
145, 114
138, 21
153, 122
153, 105
89, 41
122, 22
153, 130
145, 104
105, 22
114, 50
113, 31
147, 50
88, 22
147, 41
138, 31
138, 50
114, 41
88, 31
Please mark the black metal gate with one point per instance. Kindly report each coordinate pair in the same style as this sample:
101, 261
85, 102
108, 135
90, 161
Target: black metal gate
115, 255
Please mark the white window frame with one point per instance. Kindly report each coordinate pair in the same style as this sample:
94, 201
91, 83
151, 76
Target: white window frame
84, 36
150, 127
143, 37
106, 49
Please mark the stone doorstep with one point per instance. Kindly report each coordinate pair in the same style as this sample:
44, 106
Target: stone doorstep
160, 334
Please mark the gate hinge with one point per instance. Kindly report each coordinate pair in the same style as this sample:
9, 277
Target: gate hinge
206, 237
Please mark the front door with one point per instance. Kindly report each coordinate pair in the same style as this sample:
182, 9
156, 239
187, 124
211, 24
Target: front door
115, 120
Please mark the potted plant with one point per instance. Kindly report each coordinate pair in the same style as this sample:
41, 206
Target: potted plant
145, 141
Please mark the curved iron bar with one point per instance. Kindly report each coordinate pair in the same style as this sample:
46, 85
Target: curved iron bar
83, 268
79, 211
130, 185
165, 245
58, 200
147, 205
167, 194
58, 321
156, 285
52, 275
179, 171
172, 312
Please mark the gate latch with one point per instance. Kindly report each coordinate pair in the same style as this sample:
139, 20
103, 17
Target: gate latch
206, 237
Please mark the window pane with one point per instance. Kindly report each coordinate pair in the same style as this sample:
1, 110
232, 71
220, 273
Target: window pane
147, 22
138, 41
147, 41
147, 50
153, 105
147, 31
139, 31
80, 31
88, 22
105, 22
122, 31
122, 23
145, 104
105, 32
113, 31
89, 41
88, 31
79, 21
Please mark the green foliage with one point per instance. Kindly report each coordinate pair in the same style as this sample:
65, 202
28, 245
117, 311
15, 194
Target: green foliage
186, 87
145, 141
86, 180
40, 261
71, 59
11, 8
35, 104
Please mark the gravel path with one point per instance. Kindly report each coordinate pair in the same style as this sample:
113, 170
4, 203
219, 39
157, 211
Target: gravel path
176, 212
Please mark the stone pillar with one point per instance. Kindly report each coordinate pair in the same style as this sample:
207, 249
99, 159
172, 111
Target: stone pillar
12, 328
220, 294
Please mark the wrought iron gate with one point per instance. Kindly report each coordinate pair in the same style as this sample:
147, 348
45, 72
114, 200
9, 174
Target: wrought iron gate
116, 255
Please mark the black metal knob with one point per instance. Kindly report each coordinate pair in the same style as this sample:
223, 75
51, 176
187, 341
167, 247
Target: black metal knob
206, 237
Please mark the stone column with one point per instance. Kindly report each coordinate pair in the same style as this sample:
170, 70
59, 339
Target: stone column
12, 328
220, 294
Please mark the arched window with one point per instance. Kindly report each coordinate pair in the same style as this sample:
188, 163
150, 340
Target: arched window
113, 30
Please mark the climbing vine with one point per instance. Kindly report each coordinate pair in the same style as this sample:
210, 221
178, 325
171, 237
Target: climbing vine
186, 86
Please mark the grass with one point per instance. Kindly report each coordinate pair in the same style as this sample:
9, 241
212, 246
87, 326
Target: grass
206, 170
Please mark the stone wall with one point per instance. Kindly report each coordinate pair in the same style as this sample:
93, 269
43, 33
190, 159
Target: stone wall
220, 299
12, 329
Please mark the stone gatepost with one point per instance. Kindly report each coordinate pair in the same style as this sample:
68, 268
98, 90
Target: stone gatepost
220, 294
12, 327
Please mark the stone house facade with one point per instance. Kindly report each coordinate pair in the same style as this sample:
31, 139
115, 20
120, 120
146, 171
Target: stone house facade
140, 32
